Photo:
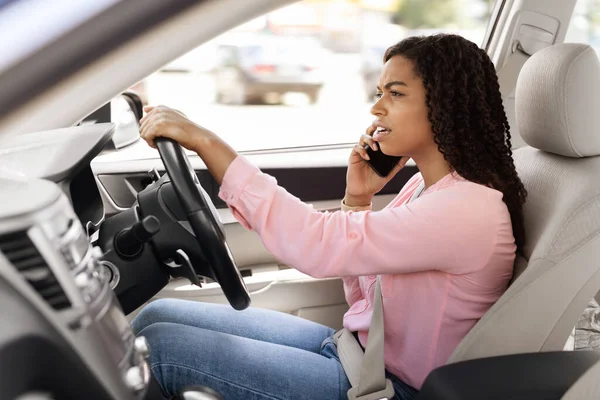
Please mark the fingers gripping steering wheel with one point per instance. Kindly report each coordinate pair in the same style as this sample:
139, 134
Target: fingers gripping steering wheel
204, 220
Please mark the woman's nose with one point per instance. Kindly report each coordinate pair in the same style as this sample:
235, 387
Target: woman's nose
378, 108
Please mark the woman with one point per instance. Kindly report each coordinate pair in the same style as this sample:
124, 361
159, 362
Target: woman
444, 259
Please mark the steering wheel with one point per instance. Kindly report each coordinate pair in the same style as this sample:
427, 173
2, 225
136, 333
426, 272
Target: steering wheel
204, 220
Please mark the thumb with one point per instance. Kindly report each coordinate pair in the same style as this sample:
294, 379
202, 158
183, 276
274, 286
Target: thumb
147, 109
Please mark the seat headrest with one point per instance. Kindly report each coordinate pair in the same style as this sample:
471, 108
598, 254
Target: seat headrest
558, 100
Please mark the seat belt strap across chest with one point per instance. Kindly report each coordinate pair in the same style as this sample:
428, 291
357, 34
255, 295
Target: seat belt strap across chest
366, 371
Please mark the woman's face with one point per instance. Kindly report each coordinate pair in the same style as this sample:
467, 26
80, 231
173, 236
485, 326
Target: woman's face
403, 126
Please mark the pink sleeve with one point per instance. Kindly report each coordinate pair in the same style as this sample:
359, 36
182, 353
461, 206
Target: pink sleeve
448, 230
352, 289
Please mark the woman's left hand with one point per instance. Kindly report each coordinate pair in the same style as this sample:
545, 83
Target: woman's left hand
162, 121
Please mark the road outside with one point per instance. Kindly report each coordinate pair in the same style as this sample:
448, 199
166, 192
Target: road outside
340, 116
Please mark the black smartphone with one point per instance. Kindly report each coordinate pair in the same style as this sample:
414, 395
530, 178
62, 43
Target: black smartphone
381, 163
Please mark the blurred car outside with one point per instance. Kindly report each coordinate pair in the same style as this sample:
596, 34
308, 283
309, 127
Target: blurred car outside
253, 67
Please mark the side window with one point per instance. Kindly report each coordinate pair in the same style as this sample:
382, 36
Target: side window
585, 24
303, 75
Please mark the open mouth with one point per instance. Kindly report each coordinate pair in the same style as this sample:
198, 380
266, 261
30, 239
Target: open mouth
380, 132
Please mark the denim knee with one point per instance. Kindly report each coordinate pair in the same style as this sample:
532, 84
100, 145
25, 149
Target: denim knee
152, 313
155, 334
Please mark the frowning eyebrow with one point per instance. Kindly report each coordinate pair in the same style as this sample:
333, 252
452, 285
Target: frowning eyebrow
393, 83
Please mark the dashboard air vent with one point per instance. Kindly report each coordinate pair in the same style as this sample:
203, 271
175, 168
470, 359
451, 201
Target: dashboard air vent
22, 253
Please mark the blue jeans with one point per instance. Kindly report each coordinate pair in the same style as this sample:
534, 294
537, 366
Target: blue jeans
254, 354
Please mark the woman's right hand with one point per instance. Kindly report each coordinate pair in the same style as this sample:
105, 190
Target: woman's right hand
362, 183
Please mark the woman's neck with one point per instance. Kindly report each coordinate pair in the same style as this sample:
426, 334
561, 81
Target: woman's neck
433, 167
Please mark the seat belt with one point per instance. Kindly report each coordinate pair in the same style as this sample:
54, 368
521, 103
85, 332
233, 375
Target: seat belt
366, 371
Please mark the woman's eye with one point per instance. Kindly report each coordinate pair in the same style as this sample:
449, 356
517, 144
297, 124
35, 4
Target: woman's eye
377, 96
396, 94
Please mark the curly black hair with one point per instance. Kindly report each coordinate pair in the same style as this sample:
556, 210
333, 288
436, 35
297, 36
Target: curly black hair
466, 114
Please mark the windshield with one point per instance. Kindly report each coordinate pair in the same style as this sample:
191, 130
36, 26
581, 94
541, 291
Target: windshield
303, 75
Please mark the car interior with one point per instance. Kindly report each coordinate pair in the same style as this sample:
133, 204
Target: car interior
95, 224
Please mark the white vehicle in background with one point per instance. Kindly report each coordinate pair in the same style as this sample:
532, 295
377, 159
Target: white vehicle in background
252, 67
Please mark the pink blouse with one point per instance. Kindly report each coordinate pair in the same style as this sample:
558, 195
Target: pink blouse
444, 258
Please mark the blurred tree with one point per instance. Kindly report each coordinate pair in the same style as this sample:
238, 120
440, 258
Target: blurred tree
415, 14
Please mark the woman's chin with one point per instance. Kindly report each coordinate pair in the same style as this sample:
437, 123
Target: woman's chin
391, 150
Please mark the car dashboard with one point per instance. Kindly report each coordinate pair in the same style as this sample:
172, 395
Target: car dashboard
62, 156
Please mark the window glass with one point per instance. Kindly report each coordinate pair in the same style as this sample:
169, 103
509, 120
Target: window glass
585, 24
303, 75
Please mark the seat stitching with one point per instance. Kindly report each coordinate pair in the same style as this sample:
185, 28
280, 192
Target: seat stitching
566, 103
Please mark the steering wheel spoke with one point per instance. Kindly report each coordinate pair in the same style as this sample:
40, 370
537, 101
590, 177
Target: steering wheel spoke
205, 222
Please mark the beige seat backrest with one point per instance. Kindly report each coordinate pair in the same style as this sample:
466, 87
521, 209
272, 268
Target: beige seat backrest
558, 115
